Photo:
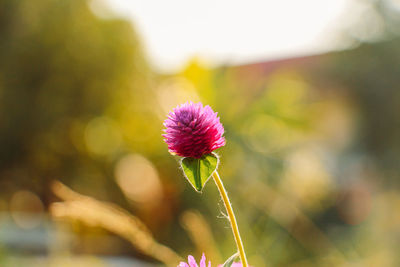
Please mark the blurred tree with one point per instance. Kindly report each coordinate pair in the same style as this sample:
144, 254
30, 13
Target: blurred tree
61, 67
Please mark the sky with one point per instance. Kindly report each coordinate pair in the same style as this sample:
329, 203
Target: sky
229, 31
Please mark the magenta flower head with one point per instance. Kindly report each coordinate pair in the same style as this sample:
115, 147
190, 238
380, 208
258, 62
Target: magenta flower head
193, 130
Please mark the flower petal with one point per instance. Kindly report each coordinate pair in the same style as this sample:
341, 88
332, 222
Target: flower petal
203, 261
192, 261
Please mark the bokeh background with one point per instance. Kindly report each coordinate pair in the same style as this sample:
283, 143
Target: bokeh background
311, 162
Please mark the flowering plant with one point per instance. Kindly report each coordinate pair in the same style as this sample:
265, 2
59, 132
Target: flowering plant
194, 131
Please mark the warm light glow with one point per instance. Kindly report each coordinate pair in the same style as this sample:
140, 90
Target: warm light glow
175, 91
233, 31
26, 209
138, 179
102, 136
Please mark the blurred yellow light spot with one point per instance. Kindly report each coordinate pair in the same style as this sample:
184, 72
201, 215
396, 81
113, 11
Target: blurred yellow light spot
307, 179
102, 136
175, 91
335, 123
26, 209
138, 179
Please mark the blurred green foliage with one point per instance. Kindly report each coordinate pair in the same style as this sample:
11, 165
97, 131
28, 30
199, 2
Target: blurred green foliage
62, 68
312, 143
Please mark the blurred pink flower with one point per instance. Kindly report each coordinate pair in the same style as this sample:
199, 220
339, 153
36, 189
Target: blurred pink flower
192, 262
193, 130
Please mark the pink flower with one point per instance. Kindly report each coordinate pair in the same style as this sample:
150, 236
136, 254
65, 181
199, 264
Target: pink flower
192, 262
193, 130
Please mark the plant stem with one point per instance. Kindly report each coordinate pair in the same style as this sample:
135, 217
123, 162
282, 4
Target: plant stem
232, 219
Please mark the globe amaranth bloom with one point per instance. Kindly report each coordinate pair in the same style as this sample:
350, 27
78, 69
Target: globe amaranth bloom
192, 263
193, 130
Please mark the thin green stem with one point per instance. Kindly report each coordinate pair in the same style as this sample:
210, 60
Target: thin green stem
232, 219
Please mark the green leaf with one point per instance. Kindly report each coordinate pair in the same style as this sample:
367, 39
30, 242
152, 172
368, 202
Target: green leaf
198, 171
229, 262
